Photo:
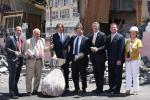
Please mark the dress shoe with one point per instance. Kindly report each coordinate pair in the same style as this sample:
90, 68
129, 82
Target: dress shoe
17, 94
14, 97
115, 92
29, 94
67, 90
109, 90
84, 90
97, 91
128, 92
34, 92
135, 92
76, 91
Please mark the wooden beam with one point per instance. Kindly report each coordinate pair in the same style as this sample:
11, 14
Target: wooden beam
10, 16
15, 15
138, 11
41, 7
13, 12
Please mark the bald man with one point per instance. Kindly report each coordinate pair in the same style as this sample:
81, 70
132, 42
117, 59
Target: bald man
34, 54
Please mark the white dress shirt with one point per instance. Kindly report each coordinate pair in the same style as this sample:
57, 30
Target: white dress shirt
94, 37
113, 35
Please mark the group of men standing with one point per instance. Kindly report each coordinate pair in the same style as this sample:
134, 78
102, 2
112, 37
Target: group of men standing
75, 50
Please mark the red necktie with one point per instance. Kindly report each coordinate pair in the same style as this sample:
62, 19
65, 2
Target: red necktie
19, 43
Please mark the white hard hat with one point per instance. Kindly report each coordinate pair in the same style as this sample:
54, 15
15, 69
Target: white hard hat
134, 29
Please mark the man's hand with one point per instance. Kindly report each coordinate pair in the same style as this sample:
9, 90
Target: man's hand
118, 62
79, 56
51, 46
94, 49
128, 59
17, 53
76, 57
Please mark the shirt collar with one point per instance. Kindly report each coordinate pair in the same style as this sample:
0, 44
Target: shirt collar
59, 33
96, 33
80, 36
113, 34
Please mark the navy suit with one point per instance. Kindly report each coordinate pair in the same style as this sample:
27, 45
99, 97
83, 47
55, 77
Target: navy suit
61, 50
14, 64
98, 59
79, 66
115, 51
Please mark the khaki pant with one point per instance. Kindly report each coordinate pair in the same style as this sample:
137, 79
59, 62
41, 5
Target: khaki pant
33, 69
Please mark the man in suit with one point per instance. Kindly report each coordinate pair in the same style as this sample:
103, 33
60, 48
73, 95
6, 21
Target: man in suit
61, 46
78, 55
98, 55
115, 51
34, 54
15, 60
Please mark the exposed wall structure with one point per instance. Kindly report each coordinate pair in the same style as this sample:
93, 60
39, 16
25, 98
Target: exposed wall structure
101, 11
94, 10
145, 13
29, 13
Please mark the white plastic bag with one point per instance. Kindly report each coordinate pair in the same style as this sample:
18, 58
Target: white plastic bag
54, 83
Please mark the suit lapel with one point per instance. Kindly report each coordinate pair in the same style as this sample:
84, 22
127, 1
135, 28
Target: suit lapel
15, 42
97, 37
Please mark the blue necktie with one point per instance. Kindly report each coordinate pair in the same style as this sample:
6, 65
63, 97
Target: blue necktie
76, 46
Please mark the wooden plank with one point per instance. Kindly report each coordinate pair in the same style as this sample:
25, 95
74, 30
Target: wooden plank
138, 11
6, 2
10, 16
96, 10
13, 12
41, 7
15, 15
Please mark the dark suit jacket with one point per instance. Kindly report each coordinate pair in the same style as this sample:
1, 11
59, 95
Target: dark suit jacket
115, 49
83, 48
61, 48
99, 42
11, 43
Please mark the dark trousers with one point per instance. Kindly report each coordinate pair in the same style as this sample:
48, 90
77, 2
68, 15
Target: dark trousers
14, 75
98, 70
79, 68
115, 77
65, 68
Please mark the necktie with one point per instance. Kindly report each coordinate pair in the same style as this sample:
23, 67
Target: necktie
19, 43
76, 46
61, 37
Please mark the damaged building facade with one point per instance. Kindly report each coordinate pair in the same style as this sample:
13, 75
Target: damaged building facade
123, 12
27, 13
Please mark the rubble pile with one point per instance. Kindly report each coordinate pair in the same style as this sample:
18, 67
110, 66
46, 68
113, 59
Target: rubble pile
147, 29
3, 64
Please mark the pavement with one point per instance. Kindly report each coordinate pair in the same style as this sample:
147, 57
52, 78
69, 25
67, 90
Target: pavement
144, 93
